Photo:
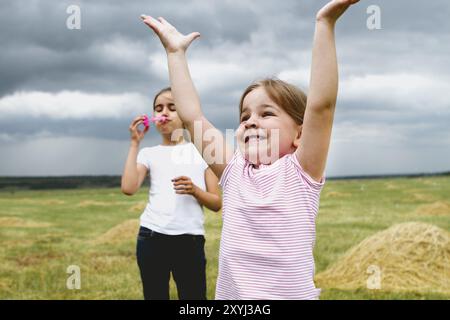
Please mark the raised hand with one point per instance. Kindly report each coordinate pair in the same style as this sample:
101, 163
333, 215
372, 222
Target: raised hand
136, 134
333, 10
171, 39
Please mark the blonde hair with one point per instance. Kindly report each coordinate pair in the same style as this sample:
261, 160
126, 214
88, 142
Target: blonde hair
287, 96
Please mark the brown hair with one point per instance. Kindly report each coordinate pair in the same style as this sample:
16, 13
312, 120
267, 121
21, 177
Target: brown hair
167, 89
287, 96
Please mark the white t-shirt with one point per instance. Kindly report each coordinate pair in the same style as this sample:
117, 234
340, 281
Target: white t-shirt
167, 212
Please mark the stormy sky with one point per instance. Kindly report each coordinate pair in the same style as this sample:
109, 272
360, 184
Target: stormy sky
67, 96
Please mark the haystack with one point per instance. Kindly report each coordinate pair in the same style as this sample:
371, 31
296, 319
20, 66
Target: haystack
438, 208
124, 231
410, 256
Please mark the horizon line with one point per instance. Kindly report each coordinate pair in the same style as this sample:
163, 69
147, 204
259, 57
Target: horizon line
335, 177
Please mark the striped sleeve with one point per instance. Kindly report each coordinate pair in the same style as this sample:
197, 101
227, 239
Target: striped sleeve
226, 172
306, 178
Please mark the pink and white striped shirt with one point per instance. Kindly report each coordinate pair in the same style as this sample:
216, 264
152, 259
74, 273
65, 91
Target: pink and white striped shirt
268, 233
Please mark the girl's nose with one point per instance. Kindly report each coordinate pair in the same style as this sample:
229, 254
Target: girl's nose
165, 112
251, 123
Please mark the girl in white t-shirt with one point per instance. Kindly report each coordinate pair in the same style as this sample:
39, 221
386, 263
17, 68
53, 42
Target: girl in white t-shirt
171, 236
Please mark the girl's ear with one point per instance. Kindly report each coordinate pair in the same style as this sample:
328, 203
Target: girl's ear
296, 142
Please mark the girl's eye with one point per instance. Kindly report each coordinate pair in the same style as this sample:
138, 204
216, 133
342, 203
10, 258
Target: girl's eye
158, 109
172, 108
244, 118
267, 114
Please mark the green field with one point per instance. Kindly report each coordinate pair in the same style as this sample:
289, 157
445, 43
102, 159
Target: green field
43, 232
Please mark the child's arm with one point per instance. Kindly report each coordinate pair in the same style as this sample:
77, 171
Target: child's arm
318, 120
186, 98
210, 198
134, 173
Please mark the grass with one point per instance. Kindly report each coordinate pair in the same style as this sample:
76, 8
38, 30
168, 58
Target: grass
44, 232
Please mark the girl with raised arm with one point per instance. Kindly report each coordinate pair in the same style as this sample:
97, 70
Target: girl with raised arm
272, 183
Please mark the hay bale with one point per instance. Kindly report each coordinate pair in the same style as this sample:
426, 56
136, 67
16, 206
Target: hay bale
124, 231
438, 208
410, 257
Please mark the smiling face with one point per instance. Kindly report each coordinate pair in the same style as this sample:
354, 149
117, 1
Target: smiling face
164, 106
266, 131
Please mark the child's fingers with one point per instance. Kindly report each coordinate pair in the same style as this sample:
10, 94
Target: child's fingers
164, 21
181, 178
182, 183
136, 125
152, 23
185, 190
194, 35
133, 126
182, 189
138, 122
153, 27
155, 22
137, 119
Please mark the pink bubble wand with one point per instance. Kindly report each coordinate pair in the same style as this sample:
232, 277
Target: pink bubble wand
147, 120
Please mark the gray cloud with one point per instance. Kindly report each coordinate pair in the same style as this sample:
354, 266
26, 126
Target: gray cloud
115, 53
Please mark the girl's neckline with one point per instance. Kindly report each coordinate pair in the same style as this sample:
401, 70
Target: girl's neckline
265, 167
174, 145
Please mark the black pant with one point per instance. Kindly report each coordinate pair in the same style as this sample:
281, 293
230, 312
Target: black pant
183, 255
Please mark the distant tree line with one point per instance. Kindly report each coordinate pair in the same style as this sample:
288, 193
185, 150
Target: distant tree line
77, 182
45, 183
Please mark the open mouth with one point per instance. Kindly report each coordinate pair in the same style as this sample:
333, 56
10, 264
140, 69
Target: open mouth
254, 138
